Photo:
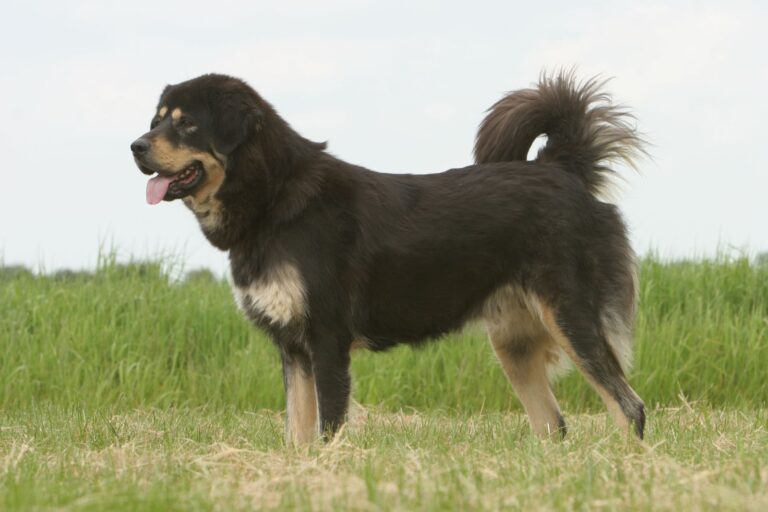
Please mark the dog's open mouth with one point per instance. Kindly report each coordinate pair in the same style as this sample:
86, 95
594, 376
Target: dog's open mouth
176, 186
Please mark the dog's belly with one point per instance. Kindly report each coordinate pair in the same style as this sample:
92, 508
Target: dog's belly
413, 306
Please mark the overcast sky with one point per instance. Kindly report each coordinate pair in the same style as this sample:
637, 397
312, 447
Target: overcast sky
394, 86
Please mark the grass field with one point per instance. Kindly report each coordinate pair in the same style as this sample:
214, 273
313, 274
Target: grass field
125, 389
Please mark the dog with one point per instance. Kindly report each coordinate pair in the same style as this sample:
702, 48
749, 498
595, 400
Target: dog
327, 256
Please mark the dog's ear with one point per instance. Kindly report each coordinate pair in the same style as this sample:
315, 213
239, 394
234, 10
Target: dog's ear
235, 118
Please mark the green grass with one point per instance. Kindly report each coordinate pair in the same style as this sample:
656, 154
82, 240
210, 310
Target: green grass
128, 336
125, 389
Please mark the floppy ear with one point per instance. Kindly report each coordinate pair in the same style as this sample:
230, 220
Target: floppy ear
235, 118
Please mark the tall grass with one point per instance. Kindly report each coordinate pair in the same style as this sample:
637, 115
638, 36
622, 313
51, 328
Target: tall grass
129, 336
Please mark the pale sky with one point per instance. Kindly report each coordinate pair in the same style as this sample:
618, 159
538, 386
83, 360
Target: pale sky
393, 86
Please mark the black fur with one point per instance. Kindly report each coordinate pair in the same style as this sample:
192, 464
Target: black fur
391, 259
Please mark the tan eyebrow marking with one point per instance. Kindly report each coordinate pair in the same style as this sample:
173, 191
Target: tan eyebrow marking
176, 114
162, 111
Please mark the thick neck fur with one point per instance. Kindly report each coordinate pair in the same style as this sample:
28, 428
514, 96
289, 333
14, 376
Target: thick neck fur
266, 181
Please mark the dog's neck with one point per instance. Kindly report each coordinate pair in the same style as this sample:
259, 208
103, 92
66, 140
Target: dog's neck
267, 182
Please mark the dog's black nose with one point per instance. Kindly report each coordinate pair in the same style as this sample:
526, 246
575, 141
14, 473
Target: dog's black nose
140, 146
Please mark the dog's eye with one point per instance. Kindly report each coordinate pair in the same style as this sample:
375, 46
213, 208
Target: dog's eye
154, 123
186, 123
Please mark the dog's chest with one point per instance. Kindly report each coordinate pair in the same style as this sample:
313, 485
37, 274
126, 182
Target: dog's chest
277, 296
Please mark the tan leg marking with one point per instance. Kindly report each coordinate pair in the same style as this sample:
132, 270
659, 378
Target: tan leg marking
527, 372
526, 352
301, 406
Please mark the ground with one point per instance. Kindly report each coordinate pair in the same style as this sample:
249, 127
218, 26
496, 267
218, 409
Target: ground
694, 458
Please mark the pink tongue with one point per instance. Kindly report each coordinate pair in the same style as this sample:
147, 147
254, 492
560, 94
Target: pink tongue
156, 189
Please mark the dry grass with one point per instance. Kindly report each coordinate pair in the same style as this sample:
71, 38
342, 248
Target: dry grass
693, 459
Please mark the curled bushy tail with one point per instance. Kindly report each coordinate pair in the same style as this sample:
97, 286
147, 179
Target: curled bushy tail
585, 132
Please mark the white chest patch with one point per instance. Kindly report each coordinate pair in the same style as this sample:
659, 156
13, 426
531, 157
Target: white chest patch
278, 295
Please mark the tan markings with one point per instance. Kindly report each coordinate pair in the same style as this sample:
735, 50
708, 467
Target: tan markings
278, 295
510, 313
203, 200
526, 369
610, 402
176, 114
214, 171
359, 344
511, 300
163, 110
301, 406
171, 158
526, 352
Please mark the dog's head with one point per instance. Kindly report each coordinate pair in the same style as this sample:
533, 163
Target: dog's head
197, 127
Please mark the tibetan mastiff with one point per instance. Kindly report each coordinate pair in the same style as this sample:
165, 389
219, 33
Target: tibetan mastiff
327, 256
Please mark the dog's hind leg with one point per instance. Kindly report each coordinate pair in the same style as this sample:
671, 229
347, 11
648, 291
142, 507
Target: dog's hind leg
301, 425
525, 350
584, 341
524, 361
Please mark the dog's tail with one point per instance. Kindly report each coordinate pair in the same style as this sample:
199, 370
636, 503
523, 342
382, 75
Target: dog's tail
585, 132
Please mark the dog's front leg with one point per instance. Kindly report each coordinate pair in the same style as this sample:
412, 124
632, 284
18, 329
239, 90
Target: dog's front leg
301, 425
330, 364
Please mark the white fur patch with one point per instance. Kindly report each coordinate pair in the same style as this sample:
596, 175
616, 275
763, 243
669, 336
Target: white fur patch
278, 295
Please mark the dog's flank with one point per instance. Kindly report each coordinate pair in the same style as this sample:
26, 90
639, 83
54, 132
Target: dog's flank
327, 256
